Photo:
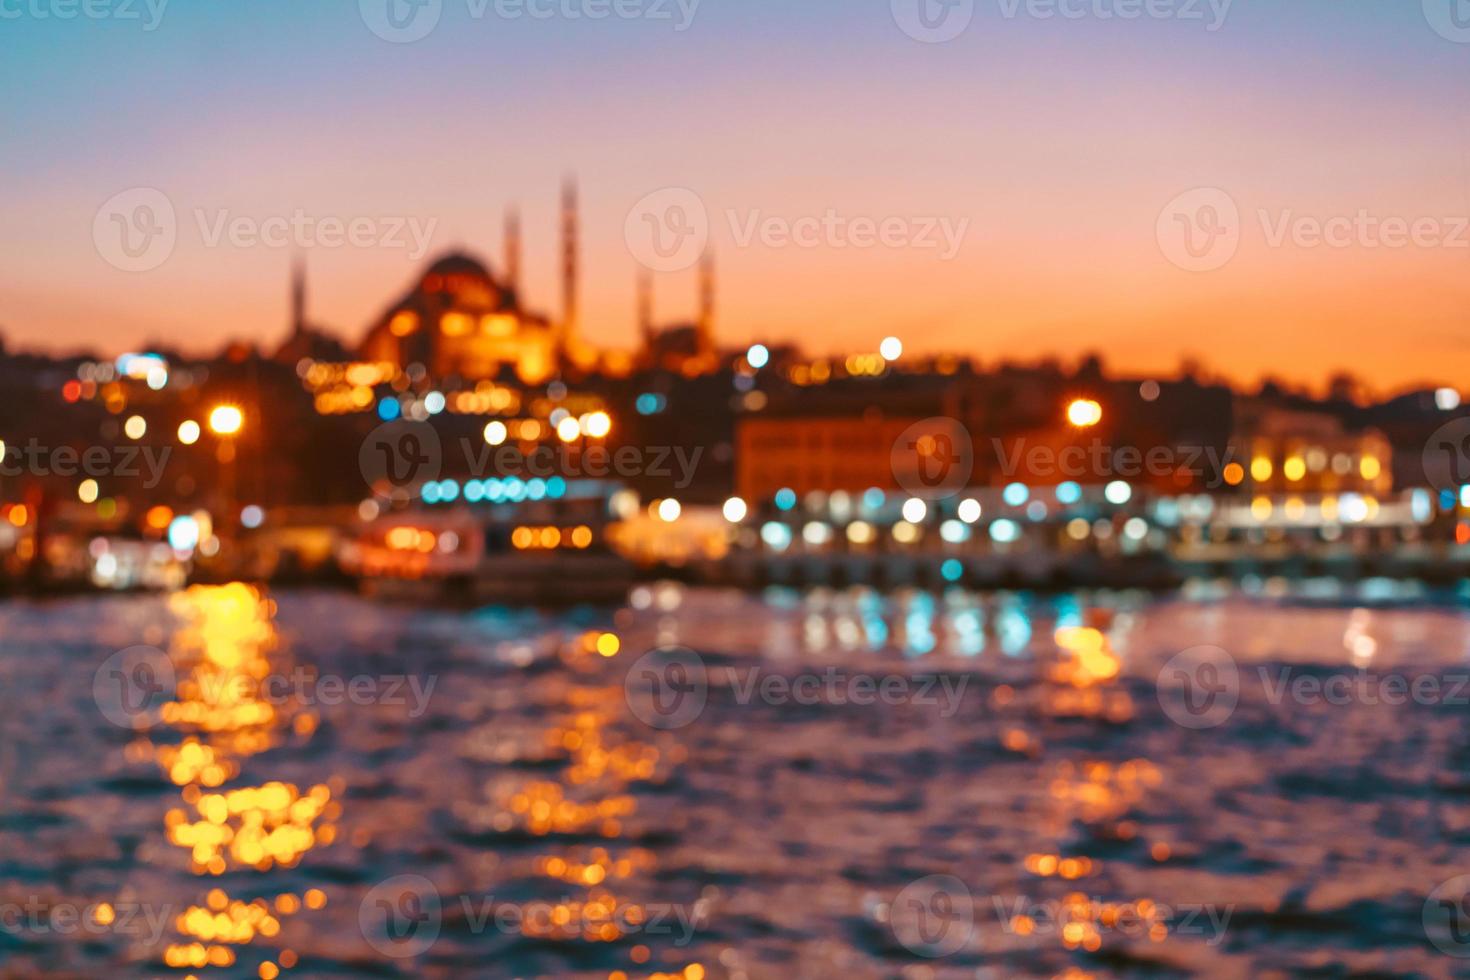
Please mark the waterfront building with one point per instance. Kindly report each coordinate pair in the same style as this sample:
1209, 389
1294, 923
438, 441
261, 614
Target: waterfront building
816, 453
1290, 450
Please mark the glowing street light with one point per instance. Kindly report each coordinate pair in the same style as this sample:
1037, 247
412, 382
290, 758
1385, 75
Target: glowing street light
735, 510
226, 420
1084, 413
597, 425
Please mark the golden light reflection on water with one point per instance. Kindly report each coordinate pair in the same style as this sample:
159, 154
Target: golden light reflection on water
1083, 674
1084, 684
224, 650
591, 795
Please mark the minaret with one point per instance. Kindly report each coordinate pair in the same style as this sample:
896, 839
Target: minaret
298, 296
568, 262
645, 309
513, 251
707, 304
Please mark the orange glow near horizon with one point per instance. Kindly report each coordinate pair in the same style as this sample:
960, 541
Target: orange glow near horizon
1052, 186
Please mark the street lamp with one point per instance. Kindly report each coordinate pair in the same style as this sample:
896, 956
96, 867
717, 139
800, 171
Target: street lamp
226, 420
1084, 413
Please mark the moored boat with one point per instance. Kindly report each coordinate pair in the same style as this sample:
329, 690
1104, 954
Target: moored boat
536, 548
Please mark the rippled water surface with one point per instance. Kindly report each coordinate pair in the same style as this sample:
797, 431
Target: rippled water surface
491, 803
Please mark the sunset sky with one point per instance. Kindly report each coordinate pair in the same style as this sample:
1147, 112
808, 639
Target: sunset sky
1059, 141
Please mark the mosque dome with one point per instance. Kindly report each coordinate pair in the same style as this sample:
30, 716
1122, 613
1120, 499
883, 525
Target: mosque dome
461, 279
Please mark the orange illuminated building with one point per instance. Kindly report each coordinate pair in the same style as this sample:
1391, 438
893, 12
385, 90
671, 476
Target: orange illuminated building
807, 453
460, 320
1280, 450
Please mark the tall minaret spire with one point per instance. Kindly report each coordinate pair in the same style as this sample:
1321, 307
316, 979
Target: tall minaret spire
513, 249
645, 308
298, 296
569, 232
707, 303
